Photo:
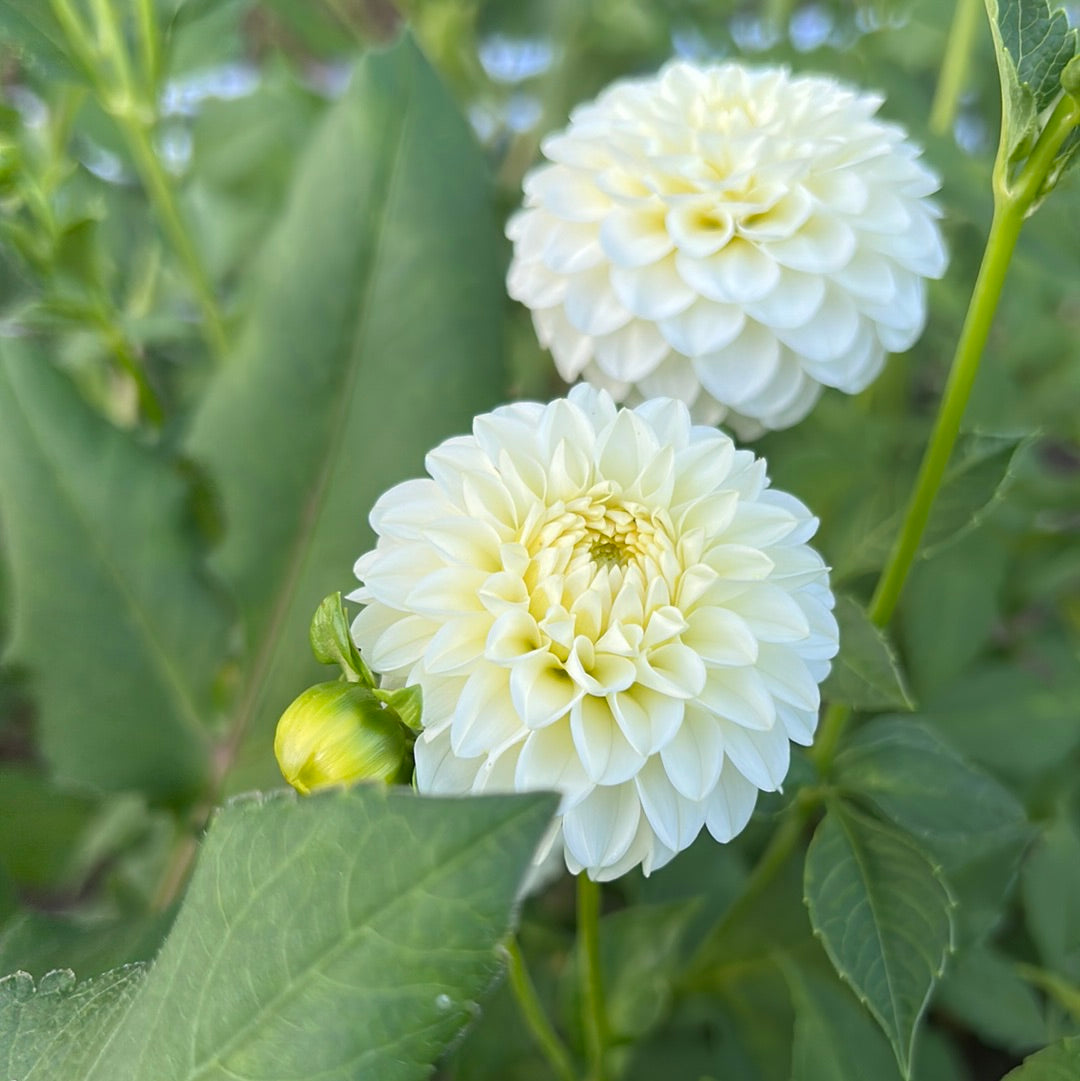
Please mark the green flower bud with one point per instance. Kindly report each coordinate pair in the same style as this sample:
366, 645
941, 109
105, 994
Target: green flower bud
340, 733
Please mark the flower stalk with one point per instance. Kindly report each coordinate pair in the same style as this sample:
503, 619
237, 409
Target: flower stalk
543, 1033
1013, 202
594, 1011
955, 65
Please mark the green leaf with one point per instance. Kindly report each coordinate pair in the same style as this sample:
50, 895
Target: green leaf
372, 336
1039, 43
983, 991
835, 1039
979, 476
917, 781
30, 28
951, 607
1058, 1062
1018, 722
866, 674
1034, 44
113, 613
344, 936
56, 1030
332, 643
884, 915
1050, 885
384, 910
38, 943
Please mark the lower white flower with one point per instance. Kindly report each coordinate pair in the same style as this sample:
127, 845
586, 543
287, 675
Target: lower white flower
612, 604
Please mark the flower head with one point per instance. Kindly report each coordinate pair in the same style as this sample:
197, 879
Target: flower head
608, 603
730, 236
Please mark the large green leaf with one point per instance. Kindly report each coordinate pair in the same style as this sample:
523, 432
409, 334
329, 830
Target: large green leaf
113, 613
55, 1031
915, 779
373, 335
883, 914
866, 674
1058, 1062
344, 937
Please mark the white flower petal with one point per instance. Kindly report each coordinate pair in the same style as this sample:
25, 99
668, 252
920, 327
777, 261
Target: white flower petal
600, 829
704, 327
675, 820
548, 761
761, 756
606, 756
612, 604
694, 756
730, 805
719, 198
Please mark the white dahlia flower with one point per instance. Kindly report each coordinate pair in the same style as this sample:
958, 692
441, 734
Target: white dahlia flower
611, 604
730, 236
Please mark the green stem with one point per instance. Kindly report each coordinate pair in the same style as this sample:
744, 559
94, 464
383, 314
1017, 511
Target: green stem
1013, 202
597, 1035
777, 853
955, 65
161, 196
113, 46
529, 1003
134, 119
150, 43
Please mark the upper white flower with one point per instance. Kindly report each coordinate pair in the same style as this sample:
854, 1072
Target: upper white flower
610, 604
730, 236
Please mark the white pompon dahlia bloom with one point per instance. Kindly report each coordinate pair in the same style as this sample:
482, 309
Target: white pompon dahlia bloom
734, 237
612, 604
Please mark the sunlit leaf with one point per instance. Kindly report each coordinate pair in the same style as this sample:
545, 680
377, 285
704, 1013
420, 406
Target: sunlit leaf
372, 335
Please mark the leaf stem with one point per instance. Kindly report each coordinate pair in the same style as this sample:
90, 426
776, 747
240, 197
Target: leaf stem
595, 1021
955, 65
543, 1033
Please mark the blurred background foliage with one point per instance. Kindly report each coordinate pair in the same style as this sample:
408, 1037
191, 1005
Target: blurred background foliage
172, 290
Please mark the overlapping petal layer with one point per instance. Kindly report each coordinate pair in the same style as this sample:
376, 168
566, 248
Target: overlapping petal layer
609, 603
734, 237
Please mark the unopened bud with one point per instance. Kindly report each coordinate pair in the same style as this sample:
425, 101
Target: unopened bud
340, 733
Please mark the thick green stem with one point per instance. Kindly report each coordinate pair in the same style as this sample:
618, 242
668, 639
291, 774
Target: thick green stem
529, 1003
595, 1022
955, 65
